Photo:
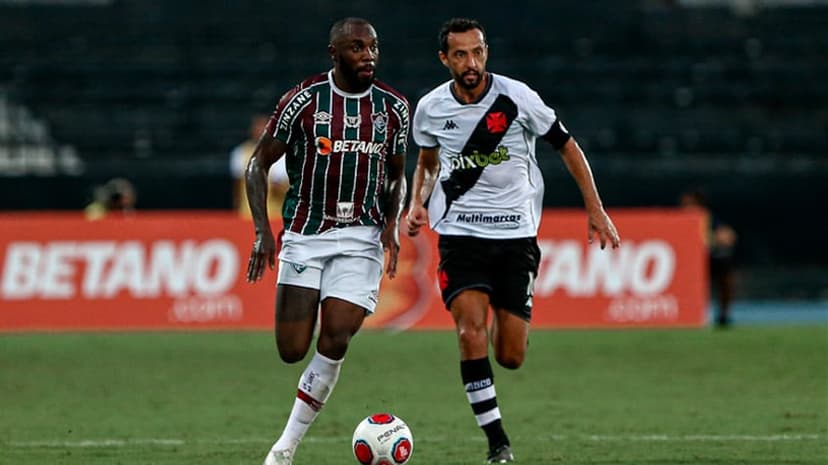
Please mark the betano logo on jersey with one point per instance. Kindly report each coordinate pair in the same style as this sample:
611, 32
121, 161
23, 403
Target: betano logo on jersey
325, 146
479, 160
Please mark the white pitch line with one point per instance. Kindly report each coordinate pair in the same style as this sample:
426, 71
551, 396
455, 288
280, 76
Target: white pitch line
706, 437
115, 443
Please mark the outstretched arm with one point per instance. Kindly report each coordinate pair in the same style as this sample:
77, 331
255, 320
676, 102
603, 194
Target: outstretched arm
425, 176
599, 222
268, 150
397, 188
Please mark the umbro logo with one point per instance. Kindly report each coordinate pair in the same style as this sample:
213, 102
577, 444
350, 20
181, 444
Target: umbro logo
298, 268
449, 125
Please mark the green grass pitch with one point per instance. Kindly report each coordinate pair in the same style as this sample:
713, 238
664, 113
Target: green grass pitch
747, 396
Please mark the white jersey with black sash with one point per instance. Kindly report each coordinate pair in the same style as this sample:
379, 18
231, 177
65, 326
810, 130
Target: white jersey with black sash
489, 184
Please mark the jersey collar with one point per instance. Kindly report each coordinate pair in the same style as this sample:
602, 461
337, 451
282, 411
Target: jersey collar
342, 92
489, 80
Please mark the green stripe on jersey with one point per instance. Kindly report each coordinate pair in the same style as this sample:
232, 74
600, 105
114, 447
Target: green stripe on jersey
347, 178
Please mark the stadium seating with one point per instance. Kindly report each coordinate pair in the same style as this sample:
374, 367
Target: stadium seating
178, 71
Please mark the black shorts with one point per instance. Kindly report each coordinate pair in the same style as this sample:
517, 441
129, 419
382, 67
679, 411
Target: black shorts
503, 268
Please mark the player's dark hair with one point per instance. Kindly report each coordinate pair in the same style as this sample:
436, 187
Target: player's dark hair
338, 28
457, 25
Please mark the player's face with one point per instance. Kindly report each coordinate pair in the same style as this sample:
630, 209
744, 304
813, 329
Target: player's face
466, 58
356, 54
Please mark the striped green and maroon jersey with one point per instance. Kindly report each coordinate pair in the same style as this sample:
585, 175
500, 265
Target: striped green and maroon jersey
339, 143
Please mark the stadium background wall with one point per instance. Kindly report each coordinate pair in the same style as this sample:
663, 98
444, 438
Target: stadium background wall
186, 270
664, 97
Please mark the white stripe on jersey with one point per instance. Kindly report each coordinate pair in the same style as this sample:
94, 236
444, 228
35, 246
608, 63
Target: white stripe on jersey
506, 199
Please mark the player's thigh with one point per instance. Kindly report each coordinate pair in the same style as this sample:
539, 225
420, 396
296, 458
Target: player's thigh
301, 260
297, 306
349, 292
339, 322
470, 308
296, 313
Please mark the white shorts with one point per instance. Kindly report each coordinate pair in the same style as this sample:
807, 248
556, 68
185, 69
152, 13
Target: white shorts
345, 263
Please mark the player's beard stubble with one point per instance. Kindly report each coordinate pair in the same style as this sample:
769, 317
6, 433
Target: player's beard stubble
469, 80
359, 77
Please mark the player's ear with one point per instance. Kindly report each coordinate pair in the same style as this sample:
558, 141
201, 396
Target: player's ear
443, 58
332, 52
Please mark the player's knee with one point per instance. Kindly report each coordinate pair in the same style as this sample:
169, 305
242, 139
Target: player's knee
334, 346
472, 336
510, 360
291, 353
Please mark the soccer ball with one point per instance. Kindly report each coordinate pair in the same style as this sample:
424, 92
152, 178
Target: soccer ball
382, 439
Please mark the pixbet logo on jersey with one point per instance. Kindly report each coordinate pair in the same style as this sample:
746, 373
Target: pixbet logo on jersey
479, 160
325, 146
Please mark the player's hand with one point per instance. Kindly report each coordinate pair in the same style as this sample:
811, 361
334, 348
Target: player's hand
264, 252
601, 225
416, 218
391, 243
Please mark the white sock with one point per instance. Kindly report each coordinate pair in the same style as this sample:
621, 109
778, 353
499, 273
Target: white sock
315, 386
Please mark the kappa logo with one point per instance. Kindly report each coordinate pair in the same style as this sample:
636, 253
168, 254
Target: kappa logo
298, 267
380, 121
449, 125
496, 122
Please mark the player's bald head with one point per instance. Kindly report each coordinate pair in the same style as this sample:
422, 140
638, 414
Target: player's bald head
343, 27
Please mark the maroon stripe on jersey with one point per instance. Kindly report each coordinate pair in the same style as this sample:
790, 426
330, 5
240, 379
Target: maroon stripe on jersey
309, 164
363, 168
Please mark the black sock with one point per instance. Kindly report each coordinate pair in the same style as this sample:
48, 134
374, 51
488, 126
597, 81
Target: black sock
478, 380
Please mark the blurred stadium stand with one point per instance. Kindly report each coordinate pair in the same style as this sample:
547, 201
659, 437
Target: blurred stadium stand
662, 96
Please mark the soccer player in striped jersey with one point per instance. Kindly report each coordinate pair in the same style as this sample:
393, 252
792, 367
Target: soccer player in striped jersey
477, 162
344, 135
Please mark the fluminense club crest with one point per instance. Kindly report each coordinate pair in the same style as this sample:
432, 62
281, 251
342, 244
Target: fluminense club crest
380, 121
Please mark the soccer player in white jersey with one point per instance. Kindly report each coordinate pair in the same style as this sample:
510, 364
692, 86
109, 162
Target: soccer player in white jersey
344, 136
477, 164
